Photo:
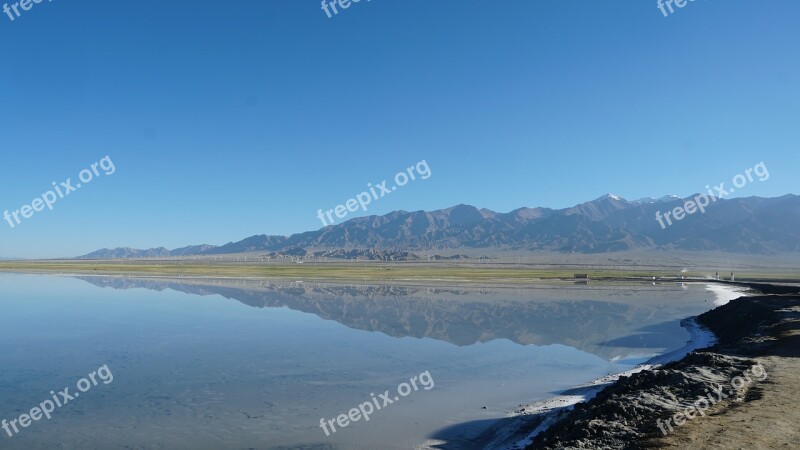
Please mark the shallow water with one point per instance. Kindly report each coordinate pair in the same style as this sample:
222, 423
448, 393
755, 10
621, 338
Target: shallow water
256, 364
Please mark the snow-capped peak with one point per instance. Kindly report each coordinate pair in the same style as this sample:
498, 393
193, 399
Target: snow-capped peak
609, 196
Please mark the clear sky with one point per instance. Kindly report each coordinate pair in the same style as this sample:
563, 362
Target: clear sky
226, 119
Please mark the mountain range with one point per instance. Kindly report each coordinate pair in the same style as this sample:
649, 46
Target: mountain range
610, 223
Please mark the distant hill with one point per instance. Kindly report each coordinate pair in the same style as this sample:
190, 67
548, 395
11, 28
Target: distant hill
127, 252
607, 224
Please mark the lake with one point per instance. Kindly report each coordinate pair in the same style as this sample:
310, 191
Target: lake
223, 363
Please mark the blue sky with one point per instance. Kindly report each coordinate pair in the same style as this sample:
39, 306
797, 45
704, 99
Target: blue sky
228, 119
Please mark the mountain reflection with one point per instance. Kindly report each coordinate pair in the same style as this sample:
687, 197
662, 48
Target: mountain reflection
612, 323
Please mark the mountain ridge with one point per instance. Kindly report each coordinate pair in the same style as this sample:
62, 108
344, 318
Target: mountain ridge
607, 224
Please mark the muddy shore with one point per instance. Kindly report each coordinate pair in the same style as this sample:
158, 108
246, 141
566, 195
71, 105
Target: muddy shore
740, 393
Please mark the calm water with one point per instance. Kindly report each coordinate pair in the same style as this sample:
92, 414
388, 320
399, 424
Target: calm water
249, 364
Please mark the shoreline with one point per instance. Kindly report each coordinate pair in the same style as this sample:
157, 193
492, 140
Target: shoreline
750, 331
548, 412
376, 273
462, 272
517, 430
